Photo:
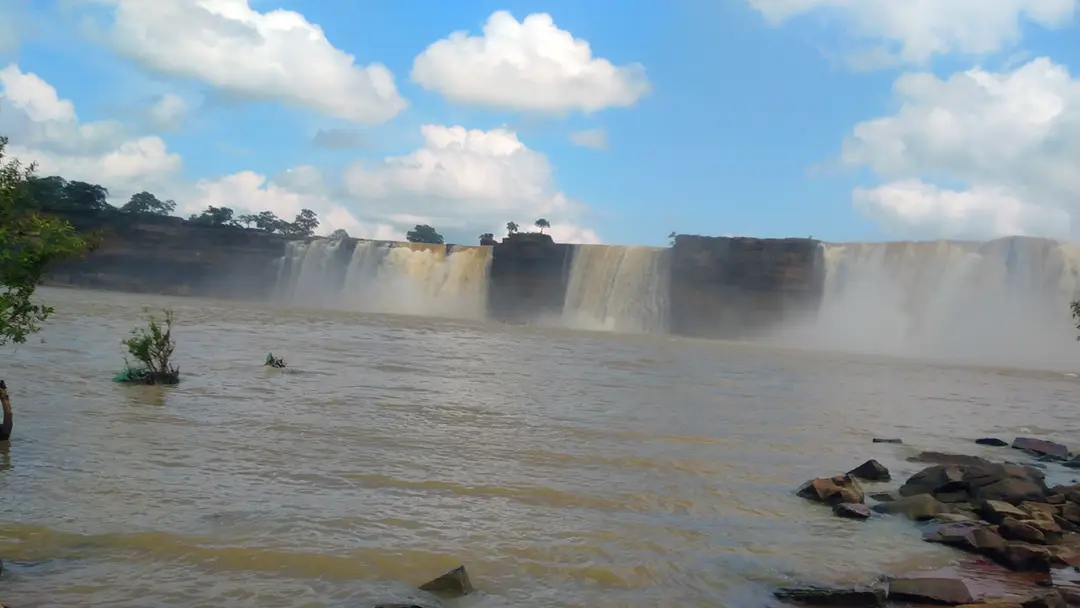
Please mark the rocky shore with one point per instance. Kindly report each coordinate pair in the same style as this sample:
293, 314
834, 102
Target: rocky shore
1002, 512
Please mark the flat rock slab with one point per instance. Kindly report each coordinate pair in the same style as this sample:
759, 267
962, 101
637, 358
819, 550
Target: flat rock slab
950, 591
829, 596
1041, 447
871, 470
992, 441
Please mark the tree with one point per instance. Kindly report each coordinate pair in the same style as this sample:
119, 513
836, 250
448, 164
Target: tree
305, 223
671, 238
487, 238
29, 242
541, 224
1074, 306
214, 216
424, 234
83, 196
511, 227
146, 203
266, 220
339, 234
247, 219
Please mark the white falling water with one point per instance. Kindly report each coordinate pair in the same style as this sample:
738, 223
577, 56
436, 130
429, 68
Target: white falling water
1002, 302
614, 288
385, 277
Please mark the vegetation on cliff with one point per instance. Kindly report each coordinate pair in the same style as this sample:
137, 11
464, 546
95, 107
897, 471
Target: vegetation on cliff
152, 347
423, 233
1074, 306
29, 242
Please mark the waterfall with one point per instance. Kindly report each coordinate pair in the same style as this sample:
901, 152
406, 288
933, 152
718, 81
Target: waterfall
387, 277
617, 288
1004, 301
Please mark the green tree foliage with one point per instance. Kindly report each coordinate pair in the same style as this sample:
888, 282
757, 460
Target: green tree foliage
423, 233
29, 242
304, 225
1074, 306
487, 238
247, 219
214, 216
266, 220
146, 203
511, 227
57, 194
152, 346
339, 234
541, 224
671, 238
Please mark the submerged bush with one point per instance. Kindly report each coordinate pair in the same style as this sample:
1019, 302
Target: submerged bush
152, 347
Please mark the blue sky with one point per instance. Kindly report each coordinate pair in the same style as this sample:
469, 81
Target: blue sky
755, 119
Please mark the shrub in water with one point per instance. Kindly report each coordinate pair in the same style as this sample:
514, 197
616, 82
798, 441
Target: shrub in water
152, 347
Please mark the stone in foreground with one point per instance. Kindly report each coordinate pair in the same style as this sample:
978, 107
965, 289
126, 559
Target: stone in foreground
949, 591
992, 441
831, 490
827, 596
871, 470
1041, 447
454, 583
852, 510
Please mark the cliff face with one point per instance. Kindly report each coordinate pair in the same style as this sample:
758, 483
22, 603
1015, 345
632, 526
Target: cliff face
734, 287
173, 256
719, 287
527, 277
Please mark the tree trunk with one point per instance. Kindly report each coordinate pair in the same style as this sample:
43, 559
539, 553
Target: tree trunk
5, 428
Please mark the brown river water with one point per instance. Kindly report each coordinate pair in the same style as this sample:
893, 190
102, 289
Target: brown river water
562, 468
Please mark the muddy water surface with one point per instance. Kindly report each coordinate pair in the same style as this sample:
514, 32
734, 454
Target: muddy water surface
563, 468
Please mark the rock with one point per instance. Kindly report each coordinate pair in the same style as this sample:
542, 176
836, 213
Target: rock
1064, 555
827, 596
1070, 511
832, 490
1013, 529
454, 583
880, 440
950, 591
1047, 599
920, 507
944, 458
882, 496
1071, 596
852, 510
995, 511
1041, 447
982, 481
948, 518
1023, 557
1073, 463
973, 537
871, 470
993, 441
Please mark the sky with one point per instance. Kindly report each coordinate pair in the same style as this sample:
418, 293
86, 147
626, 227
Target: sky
618, 122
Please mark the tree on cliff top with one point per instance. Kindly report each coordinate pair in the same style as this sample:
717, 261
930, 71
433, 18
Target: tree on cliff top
144, 202
339, 234
304, 225
424, 234
29, 242
1074, 306
214, 216
511, 227
541, 224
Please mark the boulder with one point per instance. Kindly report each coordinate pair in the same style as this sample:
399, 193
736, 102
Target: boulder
996, 511
871, 470
852, 510
828, 596
982, 481
992, 441
1013, 529
1041, 447
951, 591
454, 583
919, 507
832, 490
882, 496
887, 440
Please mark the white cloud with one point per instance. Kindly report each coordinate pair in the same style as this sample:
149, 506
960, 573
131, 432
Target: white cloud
45, 129
277, 55
921, 29
528, 65
1012, 138
590, 138
462, 177
168, 111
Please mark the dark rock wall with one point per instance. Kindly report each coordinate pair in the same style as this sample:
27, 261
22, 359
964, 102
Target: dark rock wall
172, 256
736, 287
719, 287
527, 277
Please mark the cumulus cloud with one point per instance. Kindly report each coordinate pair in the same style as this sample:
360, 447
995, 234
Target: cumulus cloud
168, 111
461, 181
590, 138
277, 55
527, 65
917, 30
1011, 138
338, 139
45, 129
